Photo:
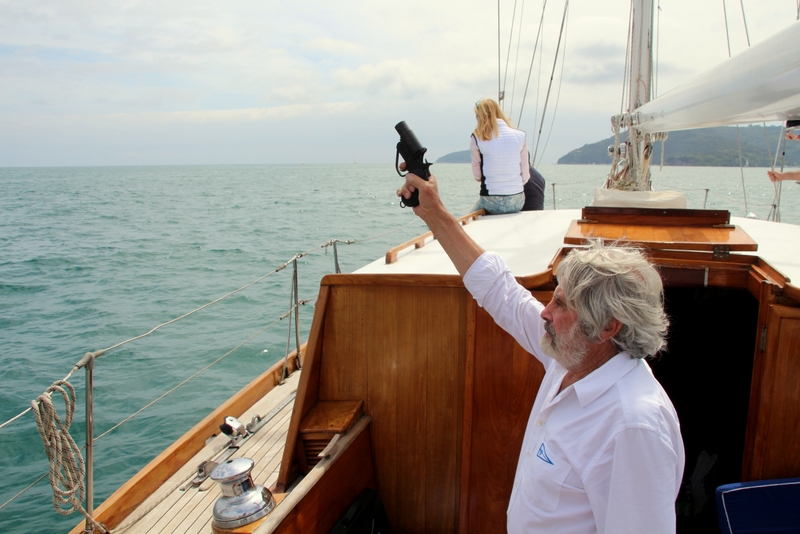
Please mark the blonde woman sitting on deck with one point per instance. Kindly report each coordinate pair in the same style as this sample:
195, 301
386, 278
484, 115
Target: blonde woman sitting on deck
499, 160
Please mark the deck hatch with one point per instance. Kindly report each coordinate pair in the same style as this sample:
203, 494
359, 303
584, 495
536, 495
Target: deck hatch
664, 229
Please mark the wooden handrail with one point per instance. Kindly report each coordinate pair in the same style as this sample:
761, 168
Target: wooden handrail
419, 241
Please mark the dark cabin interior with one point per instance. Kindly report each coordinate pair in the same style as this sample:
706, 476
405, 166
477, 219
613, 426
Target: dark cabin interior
707, 371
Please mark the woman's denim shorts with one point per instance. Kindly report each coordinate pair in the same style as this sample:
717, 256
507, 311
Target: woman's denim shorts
499, 204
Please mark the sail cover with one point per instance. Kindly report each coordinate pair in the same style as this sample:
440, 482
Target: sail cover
760, 84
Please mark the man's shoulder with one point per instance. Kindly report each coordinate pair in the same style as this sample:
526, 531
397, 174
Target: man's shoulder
643, 401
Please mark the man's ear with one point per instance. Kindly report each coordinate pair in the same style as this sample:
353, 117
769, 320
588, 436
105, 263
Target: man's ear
611, 329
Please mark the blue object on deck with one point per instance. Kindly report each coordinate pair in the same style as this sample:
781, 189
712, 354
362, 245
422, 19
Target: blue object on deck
762, 506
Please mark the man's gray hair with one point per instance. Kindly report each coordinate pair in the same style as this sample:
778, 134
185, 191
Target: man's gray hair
616, 282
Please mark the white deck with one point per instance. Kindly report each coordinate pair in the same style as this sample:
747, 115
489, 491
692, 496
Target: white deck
171, 510
528, 241
778, 245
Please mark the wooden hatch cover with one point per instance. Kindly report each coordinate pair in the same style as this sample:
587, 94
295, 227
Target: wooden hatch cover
662, 228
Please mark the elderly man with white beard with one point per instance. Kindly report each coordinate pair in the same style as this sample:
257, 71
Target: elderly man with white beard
602, 451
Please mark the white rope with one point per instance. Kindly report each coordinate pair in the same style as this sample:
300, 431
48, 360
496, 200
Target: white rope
67, 468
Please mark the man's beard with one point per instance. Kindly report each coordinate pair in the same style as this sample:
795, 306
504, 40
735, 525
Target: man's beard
568, 349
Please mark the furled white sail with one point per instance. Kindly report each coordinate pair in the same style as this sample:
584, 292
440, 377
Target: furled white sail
760, 84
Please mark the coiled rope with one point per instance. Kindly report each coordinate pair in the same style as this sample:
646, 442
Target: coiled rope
67, 468
47, 419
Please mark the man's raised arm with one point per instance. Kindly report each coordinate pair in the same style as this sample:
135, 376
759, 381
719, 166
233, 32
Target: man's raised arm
461, 249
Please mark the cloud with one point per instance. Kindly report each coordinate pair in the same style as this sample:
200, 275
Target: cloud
328, 47
394, 79
591, 65
234, 116
222, 79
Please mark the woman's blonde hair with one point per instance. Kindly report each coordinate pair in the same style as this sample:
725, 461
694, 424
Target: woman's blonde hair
487, 111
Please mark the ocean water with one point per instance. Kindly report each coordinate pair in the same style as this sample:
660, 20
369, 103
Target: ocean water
90, 257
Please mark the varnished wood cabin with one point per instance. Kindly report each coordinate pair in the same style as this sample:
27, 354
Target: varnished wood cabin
448, 392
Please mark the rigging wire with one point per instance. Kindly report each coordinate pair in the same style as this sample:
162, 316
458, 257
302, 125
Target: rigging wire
533, 58
499, 84
516, 58
616, 126
552, 72
508, 53
196, 374
777, 185
279, 268
654, 87
297, 303
24, 490
744, 20
741, 167
775, 208
738, 134
727, 33
539, 67
558, 97
628, 54
766, 139
162, 396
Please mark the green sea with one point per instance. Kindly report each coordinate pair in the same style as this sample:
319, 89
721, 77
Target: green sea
93, 256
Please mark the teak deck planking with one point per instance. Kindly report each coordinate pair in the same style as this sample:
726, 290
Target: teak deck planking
171, 510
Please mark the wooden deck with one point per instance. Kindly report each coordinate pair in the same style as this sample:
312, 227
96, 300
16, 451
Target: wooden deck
173, 509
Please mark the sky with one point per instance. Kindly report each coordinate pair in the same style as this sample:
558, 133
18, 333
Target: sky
175, 82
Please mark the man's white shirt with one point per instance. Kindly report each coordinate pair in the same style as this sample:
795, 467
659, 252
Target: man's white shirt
605, 454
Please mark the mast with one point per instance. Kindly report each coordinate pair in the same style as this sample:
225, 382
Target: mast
633, 172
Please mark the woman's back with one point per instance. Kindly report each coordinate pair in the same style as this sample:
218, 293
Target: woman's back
499, 160
501, 163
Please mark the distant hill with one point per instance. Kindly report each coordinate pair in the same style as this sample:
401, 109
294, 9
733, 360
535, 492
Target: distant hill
707, 147
461, 156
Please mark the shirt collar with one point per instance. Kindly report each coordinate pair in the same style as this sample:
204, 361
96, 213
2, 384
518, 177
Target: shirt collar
604, 377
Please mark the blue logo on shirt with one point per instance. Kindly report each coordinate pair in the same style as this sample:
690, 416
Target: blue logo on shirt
542, 454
